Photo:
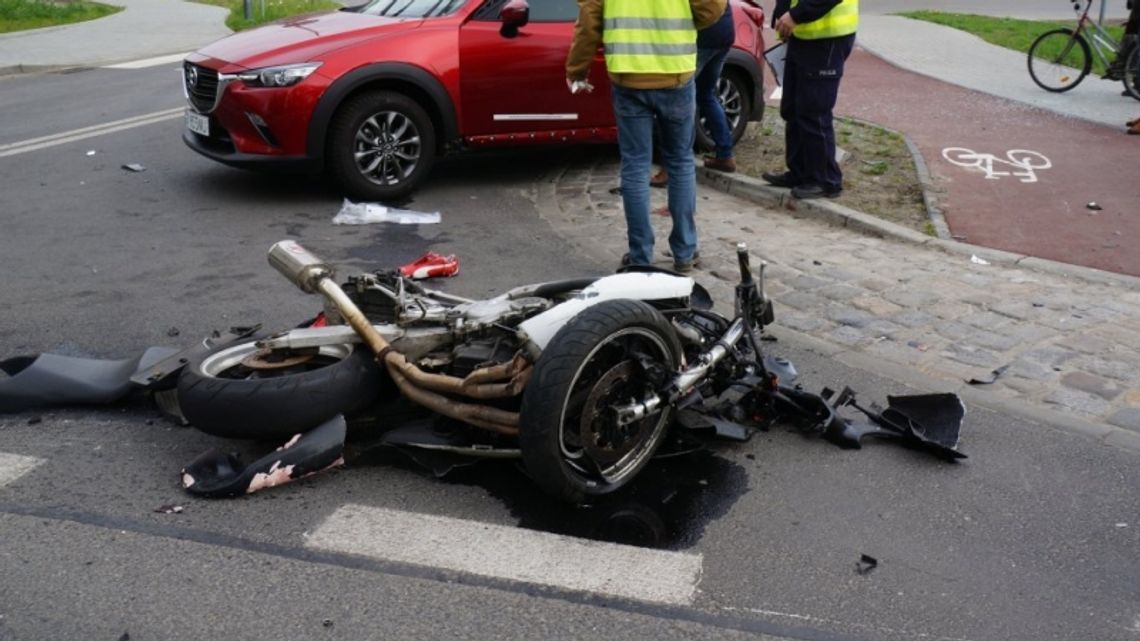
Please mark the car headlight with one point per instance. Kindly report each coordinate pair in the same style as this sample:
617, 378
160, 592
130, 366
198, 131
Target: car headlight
284, 76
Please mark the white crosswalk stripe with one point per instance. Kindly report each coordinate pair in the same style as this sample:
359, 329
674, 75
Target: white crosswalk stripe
511, 553
13, 466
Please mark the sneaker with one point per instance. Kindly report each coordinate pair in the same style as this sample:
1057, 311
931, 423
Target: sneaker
431, 265
727, 165
660, 179
782, 179
807, 192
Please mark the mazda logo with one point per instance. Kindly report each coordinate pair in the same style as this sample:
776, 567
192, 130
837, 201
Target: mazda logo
191, 77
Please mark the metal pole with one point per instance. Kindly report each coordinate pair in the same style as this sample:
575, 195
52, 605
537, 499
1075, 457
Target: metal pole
247, 6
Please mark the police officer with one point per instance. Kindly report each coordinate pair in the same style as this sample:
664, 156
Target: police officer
819, 35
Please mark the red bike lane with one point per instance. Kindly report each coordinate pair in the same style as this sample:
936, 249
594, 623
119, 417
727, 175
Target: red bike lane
1039, 206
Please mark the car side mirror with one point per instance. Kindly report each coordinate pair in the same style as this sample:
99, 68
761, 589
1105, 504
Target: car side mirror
514, 15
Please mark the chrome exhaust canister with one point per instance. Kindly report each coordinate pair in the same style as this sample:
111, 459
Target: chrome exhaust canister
299, 265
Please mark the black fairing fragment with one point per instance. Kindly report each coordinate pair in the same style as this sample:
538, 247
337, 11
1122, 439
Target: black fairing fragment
219, 474
52, 379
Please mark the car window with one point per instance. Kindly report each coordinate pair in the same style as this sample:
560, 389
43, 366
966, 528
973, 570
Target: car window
409, 8
540, 10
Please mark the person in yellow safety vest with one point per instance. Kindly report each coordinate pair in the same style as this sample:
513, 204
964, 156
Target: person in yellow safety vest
819, 35
651, 55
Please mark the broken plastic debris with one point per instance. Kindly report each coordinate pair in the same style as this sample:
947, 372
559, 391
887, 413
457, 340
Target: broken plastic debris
365, 213
134, 166
1093, 206
431, 265
169, 509
978, 261
865, 564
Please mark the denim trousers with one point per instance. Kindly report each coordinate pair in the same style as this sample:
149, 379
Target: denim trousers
673, 110
710, 62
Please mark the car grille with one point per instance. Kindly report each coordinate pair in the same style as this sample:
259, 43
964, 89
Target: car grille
201, 86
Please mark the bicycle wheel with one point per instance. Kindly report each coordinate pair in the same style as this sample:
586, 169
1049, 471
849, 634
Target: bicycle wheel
1059, 60
1132, 73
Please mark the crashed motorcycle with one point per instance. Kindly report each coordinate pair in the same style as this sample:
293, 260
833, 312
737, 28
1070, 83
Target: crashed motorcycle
580, 379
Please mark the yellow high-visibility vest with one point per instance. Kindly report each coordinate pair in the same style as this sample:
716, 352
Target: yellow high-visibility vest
649, 36
842, 20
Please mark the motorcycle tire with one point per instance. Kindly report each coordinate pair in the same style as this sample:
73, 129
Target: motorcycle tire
570, 445
220, 395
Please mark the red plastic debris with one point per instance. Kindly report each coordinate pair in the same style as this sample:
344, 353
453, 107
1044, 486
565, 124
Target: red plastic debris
431, 265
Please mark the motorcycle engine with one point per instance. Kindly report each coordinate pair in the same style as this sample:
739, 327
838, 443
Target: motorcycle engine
473, 354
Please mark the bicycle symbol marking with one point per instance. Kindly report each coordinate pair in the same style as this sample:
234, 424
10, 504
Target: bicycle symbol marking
1026, 162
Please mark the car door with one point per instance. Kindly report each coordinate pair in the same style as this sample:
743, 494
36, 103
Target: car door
512, 87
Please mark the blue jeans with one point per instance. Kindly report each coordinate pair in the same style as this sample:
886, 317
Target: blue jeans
635, 111
710, 62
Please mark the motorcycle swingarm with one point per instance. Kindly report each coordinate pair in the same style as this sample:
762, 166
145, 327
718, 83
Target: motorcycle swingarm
413, 342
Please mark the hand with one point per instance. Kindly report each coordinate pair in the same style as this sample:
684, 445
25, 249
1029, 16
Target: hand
579, 86
785, 25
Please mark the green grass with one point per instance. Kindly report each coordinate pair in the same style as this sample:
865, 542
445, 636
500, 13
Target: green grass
1010, 33
18, 15
268, 10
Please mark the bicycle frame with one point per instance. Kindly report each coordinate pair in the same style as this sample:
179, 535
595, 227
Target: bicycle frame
1095, 33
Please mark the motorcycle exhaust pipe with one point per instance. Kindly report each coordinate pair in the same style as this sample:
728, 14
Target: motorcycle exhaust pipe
299, 265
313, 275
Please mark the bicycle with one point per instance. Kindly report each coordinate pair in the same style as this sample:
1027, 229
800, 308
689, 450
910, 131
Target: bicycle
1060, 59
1132, 73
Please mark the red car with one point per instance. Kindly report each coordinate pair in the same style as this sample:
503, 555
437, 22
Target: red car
373, 94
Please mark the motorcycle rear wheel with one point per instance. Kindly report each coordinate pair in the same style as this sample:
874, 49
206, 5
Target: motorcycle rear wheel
571, 445
240, 391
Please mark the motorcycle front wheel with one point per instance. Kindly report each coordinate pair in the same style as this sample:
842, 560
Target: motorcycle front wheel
609, 355
242, 391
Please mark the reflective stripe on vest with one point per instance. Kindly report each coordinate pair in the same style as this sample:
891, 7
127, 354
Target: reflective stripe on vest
842, 20
649, 36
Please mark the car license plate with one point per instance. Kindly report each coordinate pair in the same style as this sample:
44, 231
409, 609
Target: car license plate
197, 123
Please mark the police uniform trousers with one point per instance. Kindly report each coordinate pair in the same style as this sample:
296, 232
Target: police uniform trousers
812, 72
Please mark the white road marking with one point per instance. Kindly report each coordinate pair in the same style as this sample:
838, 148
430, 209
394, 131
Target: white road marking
149, 62
1026, 161
13, 466
33, 144
511, 553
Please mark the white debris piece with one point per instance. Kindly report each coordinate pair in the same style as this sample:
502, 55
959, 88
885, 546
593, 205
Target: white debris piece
365, 213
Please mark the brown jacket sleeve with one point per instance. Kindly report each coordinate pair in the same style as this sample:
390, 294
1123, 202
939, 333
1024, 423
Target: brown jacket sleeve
587, 39
706, 12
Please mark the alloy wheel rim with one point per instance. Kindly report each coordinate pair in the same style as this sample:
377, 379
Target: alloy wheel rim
386, 148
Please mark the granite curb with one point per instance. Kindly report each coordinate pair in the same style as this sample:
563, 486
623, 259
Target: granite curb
16, 70
761, 193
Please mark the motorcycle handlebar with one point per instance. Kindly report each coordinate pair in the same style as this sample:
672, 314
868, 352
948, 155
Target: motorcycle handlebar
745, 266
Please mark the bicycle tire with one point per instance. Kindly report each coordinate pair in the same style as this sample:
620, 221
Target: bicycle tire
1059, 60
1132, 73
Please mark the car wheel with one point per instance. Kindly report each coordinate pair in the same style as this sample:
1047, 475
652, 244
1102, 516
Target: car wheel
381, 146
736, 99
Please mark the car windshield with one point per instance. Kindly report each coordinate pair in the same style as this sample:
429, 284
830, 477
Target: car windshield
409, 8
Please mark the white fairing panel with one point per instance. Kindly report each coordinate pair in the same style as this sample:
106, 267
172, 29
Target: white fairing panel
635, 285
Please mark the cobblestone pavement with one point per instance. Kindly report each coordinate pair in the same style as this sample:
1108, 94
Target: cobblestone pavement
1068, 349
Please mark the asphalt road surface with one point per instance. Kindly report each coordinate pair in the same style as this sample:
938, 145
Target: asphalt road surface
1035, 536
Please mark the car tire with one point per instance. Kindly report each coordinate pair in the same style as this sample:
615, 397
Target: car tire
736, 98
381, 146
